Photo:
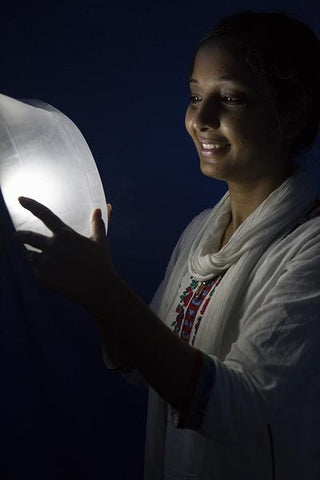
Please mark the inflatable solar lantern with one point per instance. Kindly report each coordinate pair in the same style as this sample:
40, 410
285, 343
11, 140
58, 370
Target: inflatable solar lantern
44, 156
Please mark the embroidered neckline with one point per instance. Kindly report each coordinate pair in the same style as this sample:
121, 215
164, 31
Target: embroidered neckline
195, 298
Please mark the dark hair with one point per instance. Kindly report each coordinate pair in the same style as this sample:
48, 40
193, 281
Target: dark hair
285, 53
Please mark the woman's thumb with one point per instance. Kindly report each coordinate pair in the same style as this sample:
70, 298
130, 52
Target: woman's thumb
98, 229
109, 207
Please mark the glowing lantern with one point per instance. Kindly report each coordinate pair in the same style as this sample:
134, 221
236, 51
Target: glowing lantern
43, 155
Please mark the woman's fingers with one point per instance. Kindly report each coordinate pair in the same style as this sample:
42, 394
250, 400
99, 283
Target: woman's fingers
50, 220
98, 228
68, 263
109, 207
34, 239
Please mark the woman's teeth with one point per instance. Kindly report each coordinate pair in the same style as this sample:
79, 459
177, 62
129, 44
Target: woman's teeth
211, 146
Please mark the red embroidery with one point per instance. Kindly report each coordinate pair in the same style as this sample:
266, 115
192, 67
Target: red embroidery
194, 298
188, 297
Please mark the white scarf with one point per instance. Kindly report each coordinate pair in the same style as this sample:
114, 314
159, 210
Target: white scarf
278, 212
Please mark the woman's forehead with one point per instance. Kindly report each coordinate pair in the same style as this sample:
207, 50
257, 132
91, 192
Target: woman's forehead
220, 54
221, 62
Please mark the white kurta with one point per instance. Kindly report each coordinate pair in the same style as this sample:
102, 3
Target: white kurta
271, 376
262, 420
262, 416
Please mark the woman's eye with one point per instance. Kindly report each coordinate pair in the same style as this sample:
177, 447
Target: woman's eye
194, 98
229, 99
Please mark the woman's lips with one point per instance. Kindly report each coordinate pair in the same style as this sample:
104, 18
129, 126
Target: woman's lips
214, 152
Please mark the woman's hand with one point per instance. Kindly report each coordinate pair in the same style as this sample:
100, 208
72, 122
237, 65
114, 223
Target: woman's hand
69, 263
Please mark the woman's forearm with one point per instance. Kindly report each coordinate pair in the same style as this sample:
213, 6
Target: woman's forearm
114, 356
80, 269
165, 361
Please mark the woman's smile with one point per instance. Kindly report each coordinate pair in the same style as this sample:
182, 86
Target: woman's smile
213, 149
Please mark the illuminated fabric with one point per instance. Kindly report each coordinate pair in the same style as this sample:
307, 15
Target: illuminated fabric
48, 368
44, 156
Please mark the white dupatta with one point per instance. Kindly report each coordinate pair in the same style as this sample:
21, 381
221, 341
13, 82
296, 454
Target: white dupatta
202, 258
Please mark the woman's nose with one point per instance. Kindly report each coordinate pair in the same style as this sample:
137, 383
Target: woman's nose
207, 116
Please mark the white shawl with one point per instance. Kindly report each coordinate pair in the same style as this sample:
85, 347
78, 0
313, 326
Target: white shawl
272, 218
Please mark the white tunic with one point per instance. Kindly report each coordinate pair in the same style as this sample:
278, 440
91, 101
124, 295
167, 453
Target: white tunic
262, 417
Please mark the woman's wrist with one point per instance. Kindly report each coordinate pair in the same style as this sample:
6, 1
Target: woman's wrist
125, 321
101, 292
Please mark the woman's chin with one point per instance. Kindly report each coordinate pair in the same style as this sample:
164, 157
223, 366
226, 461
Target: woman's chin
213, 170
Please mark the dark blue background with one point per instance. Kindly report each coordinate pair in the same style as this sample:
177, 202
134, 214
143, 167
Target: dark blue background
120, 71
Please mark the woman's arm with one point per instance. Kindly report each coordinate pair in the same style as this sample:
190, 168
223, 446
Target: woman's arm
164, 360
80, 269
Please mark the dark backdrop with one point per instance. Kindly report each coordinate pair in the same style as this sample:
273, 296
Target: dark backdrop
119, 70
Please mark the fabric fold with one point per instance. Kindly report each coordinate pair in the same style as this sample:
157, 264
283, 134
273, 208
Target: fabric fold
289, 201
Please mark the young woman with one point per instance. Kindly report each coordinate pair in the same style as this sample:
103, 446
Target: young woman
230, 345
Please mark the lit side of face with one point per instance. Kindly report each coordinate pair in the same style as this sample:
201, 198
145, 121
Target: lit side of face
231, 119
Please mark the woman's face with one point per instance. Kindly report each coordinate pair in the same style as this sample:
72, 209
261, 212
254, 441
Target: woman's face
232, 120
